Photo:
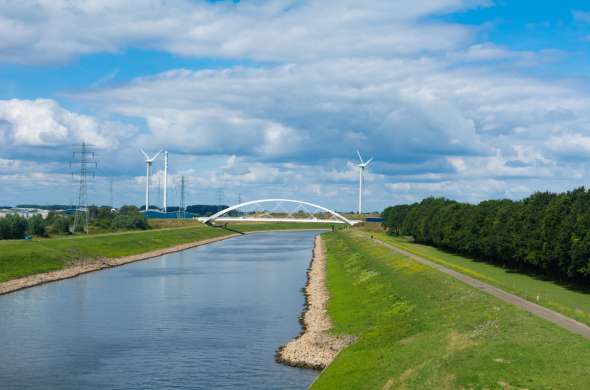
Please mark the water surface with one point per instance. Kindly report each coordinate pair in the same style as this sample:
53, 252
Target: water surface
206, 318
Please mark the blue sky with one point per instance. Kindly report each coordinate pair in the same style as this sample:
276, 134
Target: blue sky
465, 99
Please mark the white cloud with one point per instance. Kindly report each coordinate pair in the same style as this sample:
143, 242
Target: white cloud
393, 109
37, 31
43, 122
424, 97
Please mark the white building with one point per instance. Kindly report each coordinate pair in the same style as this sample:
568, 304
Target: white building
27, 213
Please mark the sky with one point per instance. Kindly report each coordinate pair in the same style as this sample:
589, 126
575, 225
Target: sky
470, 100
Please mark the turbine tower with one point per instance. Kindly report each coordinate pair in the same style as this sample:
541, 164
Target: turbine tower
148, 164
362, 166
165, 181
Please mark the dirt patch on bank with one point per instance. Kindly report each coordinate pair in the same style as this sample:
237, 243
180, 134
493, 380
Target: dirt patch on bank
315, 347
95, 265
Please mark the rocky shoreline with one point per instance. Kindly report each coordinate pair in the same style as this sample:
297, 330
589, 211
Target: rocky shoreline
96, 265
315, 347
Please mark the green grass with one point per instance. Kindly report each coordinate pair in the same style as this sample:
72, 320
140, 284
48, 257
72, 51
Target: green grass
20, 258
569, 300
421, 329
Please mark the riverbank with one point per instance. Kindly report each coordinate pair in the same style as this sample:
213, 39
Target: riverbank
96, 265
315, 347
23, 258
26, 263
419, 328
566, 298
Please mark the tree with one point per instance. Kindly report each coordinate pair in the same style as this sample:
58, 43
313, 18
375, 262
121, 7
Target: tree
546, 233
13, 227
36, 226
60, 224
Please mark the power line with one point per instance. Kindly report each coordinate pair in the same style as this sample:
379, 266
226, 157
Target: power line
219, 196
182, 205
111, 193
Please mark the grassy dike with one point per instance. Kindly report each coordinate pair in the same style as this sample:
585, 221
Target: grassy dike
19, 258
568, 299
421, 329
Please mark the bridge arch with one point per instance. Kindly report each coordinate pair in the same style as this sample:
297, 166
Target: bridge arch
340, 218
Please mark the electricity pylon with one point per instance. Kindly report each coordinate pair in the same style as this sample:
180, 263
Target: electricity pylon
85, 159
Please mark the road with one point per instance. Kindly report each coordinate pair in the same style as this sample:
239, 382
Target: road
540, 311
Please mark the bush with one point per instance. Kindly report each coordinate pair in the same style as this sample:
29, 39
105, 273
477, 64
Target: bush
36, 226
130, 221
60, 224
128, 210
13, 227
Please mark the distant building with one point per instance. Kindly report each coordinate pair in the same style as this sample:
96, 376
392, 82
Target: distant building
23, 212
154, 214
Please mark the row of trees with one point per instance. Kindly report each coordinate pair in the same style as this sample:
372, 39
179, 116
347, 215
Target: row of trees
17, 227
547, 233
101, 218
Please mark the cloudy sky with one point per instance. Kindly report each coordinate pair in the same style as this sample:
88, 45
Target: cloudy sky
465, 99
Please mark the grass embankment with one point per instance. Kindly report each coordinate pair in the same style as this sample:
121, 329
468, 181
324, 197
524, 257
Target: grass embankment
19, 258
568, 299
419, 328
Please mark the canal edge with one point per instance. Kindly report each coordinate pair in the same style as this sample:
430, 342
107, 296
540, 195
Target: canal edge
14, 285
315, 347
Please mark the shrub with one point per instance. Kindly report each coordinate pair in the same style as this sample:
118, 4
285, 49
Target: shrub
13, 227
60, 224
130, 221
36, 226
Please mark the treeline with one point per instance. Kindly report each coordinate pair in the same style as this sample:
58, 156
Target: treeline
100, 219
46, 206
547, 233
14, 227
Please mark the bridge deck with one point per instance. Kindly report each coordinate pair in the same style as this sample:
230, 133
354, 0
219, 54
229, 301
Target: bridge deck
295, 220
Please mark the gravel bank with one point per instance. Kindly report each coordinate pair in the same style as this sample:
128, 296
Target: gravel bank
315, 347
95, 265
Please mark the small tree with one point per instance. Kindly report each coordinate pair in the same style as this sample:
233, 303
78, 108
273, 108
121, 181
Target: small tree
13, 227
36, 226
60, 225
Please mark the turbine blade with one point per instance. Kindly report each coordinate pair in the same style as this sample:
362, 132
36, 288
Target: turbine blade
360, 158
368, 162
144, 154
156, 156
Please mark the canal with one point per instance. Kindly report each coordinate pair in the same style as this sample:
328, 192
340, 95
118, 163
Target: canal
206, 318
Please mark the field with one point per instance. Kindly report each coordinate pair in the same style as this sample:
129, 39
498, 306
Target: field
570, 300
421, 329
20, 258
171, 223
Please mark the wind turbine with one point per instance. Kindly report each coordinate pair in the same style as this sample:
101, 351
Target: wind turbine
148, 164
165, 181
362, 166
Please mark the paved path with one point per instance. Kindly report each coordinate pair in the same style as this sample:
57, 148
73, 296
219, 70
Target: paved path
549, 315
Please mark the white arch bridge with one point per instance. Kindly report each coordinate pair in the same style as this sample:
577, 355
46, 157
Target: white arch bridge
296, 211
